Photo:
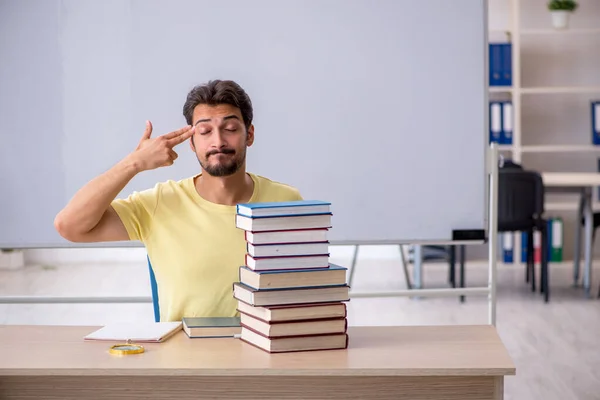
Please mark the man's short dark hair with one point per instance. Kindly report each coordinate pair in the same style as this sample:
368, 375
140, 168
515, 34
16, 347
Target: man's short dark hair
219, 92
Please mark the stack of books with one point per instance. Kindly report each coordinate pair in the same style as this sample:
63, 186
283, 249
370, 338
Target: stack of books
290, 297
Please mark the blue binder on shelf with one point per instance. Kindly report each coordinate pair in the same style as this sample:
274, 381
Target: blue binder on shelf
595, 113
495, 121
506, 49
500, 64
506, 136
523, 247
495, 64
598, 187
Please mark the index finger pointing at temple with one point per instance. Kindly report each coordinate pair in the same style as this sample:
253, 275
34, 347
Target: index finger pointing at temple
181, 138
178, 132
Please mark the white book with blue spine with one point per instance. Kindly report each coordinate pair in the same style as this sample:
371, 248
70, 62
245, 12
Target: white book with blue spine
283, 223
284, 208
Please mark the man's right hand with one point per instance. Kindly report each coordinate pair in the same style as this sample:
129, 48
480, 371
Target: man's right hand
89, 217
152, 153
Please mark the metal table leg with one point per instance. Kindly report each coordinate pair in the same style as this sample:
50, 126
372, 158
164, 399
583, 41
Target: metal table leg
405, 267
452, 265
353, 265
462, 269
578, 229
587, 274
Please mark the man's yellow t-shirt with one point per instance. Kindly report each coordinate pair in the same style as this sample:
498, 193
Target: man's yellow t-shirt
194, 245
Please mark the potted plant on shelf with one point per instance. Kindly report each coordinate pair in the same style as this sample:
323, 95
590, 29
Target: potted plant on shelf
561, 10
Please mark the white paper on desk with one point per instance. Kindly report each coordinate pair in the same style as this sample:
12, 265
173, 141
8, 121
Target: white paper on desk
136, 332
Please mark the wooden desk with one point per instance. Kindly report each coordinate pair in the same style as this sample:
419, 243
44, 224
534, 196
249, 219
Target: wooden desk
583, 184
449, 362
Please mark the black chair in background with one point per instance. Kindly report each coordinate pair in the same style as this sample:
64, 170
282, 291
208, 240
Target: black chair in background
503, 164
520, 209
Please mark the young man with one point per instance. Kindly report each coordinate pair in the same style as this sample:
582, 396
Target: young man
187, 226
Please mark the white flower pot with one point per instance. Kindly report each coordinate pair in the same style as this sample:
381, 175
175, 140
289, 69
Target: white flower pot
560, 19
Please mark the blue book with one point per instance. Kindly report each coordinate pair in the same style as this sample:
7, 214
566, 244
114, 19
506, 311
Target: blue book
595, 113
284, 208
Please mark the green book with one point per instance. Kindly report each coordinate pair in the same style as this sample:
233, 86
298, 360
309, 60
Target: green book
212, 327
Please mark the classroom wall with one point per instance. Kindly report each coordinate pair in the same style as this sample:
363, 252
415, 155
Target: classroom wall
547, 60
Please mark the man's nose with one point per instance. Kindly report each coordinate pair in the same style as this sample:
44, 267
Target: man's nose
219, 139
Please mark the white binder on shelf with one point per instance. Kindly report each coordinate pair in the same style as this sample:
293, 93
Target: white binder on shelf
495, 122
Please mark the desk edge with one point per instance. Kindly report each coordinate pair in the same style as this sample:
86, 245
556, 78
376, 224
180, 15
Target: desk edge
256, 372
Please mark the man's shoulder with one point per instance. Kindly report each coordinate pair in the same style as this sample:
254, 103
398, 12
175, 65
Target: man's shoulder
272, 190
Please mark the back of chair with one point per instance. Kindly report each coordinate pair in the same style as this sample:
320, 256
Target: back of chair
154, 290
520, 198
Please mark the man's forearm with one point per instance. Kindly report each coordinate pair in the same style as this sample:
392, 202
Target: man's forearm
89, 204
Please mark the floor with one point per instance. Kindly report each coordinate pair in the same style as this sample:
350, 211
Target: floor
555, 346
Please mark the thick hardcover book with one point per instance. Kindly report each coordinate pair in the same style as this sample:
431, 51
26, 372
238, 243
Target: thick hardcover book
284, 344
281, 208
280, 279
326, 294
287, 262
281, 223
294, 328
287, 236
198, 327
295, 312
287, 249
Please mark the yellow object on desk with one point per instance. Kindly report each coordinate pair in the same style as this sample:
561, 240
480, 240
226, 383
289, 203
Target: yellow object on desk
126, 349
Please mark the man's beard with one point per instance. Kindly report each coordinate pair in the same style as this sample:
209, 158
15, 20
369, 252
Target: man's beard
225, 168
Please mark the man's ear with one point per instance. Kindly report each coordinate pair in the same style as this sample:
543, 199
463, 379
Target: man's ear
250, 135
192, 144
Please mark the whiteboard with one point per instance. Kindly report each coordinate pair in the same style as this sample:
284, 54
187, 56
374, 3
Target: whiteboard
378, 107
